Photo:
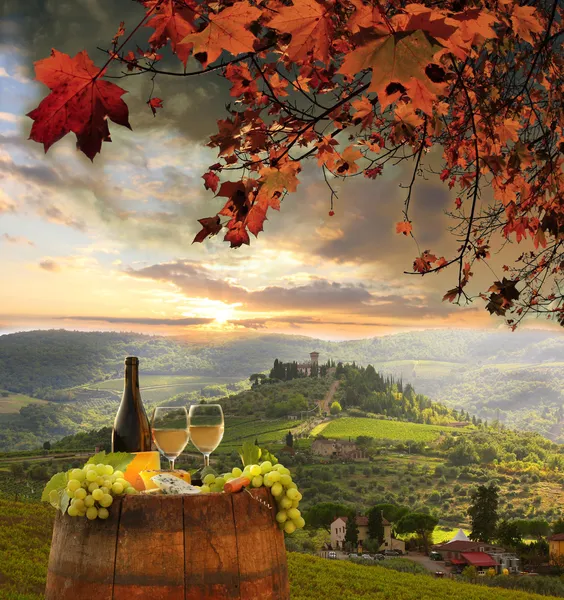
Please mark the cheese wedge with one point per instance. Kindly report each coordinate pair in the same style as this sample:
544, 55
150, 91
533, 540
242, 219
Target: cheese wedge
147, 476
173, 485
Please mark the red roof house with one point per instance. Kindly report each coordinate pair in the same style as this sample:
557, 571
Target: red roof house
478, 559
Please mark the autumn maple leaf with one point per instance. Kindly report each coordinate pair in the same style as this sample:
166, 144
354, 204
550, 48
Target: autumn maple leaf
155, 103
171, 23
80, 101
393, 58
210, 226
508, 130
211, 181
367, 16
525, 22
347, 165
225, 31
311, 27
404, 227
280, 178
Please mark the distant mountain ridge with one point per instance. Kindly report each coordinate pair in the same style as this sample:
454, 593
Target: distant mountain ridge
518, 377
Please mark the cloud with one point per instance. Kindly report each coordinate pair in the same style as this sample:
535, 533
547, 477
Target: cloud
16, 239
186, 322
318, 296
50, 265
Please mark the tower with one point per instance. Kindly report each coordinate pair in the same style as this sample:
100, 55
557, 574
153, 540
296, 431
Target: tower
314, 356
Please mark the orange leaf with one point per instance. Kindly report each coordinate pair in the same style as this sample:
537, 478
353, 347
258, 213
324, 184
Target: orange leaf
393, 58
508, 130
404, 227
525, 22
225, 31
80, 101
279, 179
310, 24
347, 164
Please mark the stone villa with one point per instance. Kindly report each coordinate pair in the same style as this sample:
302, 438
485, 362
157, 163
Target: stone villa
339, 528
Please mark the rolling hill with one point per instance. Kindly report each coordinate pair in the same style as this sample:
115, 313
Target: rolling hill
517, 378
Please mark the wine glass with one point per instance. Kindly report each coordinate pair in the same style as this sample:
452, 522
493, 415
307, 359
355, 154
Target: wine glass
170, 431
206, 428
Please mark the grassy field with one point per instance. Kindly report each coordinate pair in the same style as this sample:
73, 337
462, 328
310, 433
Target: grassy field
379, 429
151, 381
12, 403
25, 537
313, 578
241, 429
444, 534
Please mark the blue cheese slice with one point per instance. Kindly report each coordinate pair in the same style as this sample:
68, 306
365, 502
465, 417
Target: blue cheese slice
169, 484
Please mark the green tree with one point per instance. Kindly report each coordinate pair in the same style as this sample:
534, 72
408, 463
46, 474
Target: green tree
558, 526
335, 408
508, 534
375, 525
463, 453
351, 532
47, 446
324, 513
483, 513
419, 523
289, 439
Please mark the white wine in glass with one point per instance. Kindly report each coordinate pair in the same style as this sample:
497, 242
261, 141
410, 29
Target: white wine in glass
206, 428
170, 431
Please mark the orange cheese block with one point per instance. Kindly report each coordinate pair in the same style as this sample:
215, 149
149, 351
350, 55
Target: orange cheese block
143, 461
151, 485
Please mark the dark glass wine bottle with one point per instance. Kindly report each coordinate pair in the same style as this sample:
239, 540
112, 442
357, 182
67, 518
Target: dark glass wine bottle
131, 432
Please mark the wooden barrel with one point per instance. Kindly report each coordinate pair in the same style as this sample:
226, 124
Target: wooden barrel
209, 547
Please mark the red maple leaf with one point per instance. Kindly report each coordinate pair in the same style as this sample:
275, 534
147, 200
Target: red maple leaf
155, 103
452, 295
211, 181
310, 24
171, 23
210, 226
80, 101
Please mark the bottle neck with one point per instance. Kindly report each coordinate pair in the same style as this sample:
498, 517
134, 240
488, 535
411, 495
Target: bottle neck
131, 383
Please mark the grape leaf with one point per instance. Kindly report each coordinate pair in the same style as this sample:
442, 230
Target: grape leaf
80, 101
57, 483
250, 453
393, 58
310, 24
118, 460
226, 31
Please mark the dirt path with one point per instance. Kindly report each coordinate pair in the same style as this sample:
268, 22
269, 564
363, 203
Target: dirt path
325, 404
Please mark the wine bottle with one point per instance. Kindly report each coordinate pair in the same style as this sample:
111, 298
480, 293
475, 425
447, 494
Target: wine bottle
131, 432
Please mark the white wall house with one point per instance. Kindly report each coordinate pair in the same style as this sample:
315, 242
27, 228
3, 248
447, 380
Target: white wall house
339, 529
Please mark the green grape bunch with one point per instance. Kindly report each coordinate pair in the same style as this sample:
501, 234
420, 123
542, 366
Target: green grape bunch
276, 477
92, 490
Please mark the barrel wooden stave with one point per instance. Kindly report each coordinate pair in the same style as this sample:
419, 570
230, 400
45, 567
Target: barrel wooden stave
261, 572
150, 549
211, 565
82, 557
210, 547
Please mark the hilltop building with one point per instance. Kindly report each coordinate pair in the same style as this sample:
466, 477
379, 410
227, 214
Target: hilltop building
339, 529
337, 449
306, 367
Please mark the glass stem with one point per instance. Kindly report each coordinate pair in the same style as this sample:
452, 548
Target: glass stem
206, 459
171, 460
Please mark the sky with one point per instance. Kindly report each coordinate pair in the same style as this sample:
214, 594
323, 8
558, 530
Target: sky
108, 245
